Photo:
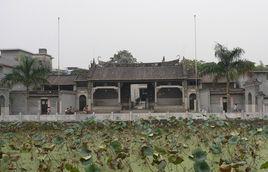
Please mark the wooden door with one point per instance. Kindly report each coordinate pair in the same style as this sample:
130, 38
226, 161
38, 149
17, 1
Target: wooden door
44, 106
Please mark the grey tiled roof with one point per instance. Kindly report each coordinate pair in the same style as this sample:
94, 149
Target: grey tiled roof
252, 81
61, 79
210, 79
216, 91
136, 73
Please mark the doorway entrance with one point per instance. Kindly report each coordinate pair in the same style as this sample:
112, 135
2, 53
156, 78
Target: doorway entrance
82, 102
192, 101
224, 104
250, 102
44, 106
138, 96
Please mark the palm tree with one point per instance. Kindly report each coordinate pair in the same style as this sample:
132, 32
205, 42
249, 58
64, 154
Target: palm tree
230, 66
28, 73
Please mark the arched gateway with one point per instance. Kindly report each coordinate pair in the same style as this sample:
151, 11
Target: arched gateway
82, 102
192, 100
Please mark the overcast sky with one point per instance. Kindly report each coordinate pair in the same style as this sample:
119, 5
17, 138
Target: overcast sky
149, 29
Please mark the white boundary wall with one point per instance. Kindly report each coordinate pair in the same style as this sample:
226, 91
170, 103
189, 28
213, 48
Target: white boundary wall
127, 116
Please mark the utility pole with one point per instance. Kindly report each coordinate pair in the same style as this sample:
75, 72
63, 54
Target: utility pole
58, 110
196, 72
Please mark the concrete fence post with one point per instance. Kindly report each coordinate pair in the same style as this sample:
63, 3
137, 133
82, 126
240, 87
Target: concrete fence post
38, 119
20, 117
2, 117
136, 116
94, 116
76, 116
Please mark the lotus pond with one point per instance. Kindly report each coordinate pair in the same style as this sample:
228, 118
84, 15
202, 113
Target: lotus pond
146, 145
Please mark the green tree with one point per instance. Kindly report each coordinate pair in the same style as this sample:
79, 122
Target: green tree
190, 64
123, 57
261, 67
79, 72
230, 66
28, 73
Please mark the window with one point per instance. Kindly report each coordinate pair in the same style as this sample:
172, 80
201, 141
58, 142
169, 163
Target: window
82, 84
191, 82
249, 98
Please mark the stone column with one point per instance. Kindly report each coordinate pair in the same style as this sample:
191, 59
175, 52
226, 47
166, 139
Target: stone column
261, 104
7, 103
246, 101
92, 99
119, 93
185, 94
90, 95
221, 104
232, 103
256, 104
60, 106
155, 92
39, 106
253, 105
195, 103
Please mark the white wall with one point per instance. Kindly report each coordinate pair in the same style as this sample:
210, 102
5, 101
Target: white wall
17, 103
135, 90
67, 100
204, 100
